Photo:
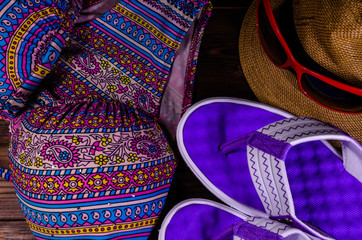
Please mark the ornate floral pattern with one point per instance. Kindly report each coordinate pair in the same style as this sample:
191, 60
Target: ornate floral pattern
76, 152
51, 185
91, 150
126, 57
32, 34
146, 145
61, 153
82, 183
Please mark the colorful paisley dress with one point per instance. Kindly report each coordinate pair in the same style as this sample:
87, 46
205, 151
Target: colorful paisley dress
91, 89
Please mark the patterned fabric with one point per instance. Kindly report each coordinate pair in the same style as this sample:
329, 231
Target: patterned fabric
87, 158
127, 55
89, 168
32, 35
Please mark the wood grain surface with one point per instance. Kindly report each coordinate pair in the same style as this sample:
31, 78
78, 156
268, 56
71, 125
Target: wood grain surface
218, 74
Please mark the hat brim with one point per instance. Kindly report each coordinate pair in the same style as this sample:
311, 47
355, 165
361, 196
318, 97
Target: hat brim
279, 87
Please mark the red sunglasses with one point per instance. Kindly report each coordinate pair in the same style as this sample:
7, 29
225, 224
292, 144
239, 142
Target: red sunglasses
326, 91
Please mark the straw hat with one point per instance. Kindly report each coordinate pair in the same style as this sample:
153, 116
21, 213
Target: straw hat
331, 34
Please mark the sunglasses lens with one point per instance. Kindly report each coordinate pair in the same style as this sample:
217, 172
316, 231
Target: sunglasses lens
268, 38
330, 96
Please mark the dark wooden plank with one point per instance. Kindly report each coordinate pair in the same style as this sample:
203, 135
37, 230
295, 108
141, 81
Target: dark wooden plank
4, 144
4, 158
17, 230
219, 72
12, 223
9, 207
230, 3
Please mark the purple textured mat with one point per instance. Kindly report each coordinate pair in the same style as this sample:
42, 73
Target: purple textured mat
324, 194
199, 221
195, 219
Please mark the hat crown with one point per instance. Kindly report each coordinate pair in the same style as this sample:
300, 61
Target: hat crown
331, 33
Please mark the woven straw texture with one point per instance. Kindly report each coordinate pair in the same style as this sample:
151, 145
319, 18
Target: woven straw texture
331, 34
279, 87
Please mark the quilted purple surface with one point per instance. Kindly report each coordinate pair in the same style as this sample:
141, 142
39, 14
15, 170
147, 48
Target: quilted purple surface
324, 194
199, 221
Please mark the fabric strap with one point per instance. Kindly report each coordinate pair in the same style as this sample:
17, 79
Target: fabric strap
262, 228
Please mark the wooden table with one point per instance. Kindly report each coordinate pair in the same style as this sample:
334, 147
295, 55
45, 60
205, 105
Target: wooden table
218, 74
